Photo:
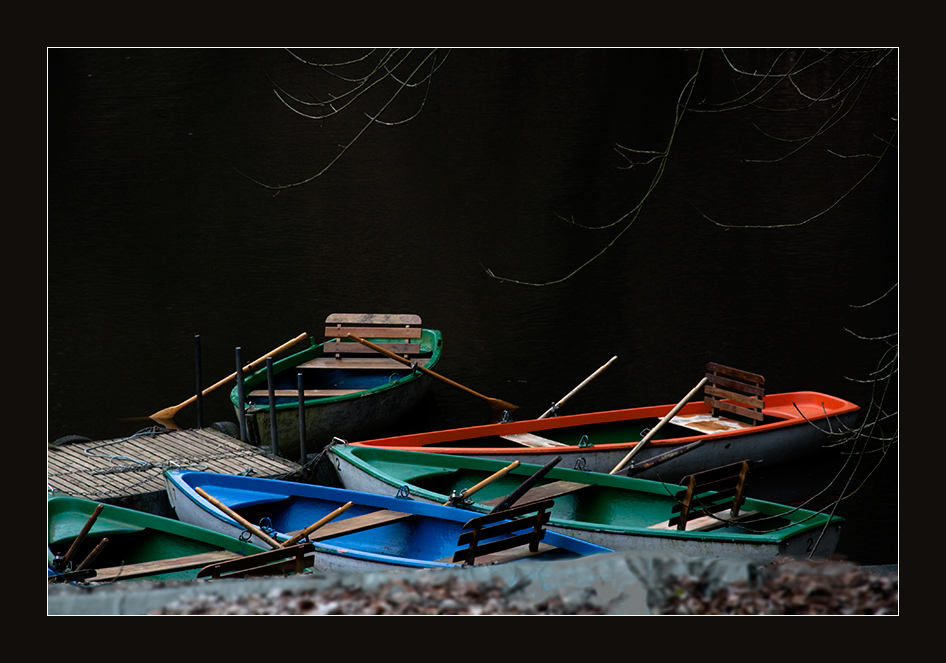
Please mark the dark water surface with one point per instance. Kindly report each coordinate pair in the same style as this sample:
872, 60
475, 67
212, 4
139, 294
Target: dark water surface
164, 223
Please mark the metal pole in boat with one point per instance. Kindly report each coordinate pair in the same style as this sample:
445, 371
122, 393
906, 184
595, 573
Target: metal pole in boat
272, 405
200, 388
241, 397
302, 450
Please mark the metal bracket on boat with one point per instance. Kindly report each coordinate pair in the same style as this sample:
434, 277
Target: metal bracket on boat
581, 463
394, 377
403, 493
506, 418
338, 440
584, 442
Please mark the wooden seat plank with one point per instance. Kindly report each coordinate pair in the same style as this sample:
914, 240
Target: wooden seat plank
707, 523
531, 440
544, 492
377, 363
355, 524
308, 393
199, 560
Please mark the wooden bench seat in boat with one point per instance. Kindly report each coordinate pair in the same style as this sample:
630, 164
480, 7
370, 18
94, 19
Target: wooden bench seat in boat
308, 393
710, 499
397, 333
530, 440
727, 390
544, 492
523, 529
199, 560
355, 524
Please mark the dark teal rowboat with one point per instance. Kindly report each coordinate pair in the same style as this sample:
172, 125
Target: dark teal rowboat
618, 512
349, 390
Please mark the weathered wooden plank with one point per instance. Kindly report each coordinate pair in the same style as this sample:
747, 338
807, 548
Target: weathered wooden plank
373, 319
374, 332
307, 393
377, 363
713, 370
544, 492
163, 566
531, 440
355, 524
356, 348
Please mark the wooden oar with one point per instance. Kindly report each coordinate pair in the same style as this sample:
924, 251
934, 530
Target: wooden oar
495, 403
314, 526
662, 458
578, 388
482, 484
524, 487
169, 412
74, 548
653, 431
237, 517
87, 562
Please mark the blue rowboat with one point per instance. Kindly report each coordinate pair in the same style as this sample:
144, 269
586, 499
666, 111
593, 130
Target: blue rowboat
374, 533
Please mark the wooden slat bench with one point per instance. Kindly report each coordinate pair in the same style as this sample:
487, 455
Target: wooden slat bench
516, 544
281, 561
710, 499
728, 390
397, 333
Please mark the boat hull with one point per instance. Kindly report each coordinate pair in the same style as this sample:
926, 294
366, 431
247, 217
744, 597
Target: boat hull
798, 424
380, 398
424, 540
609, 522
135, 539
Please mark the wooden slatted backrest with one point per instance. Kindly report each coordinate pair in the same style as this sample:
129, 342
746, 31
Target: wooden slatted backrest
398, 333
728, 488
744, 392
513, 520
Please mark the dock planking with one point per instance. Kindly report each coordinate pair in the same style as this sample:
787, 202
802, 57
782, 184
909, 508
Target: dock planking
130, 471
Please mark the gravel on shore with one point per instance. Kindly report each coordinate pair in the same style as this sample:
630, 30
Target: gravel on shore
793, 589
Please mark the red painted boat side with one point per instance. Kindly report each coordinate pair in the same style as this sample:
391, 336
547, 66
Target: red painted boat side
790, 409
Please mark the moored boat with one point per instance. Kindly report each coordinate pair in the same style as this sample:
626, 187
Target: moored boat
112, 543
735, 421
364, 531
348, 388
622, 513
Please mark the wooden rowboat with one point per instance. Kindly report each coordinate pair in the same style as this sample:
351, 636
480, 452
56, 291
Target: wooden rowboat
735, 421
617, 512
348, 388
122, 544
373, 532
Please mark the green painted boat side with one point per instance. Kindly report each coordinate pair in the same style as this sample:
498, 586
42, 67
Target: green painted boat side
134, 537
381, 397
616, 511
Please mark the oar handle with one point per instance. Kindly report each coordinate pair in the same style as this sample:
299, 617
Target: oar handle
482, 484
79, 539
653, 431
237, 517
578, 388
514, 496
314, 526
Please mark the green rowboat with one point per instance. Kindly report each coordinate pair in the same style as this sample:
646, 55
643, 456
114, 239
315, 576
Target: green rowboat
140, 546
349, 390
618, 512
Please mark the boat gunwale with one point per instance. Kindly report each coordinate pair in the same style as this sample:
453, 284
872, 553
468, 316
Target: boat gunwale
815, 520
423, 441
315, 350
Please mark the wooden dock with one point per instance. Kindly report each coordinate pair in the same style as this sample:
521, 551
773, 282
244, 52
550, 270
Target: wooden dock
129, 471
